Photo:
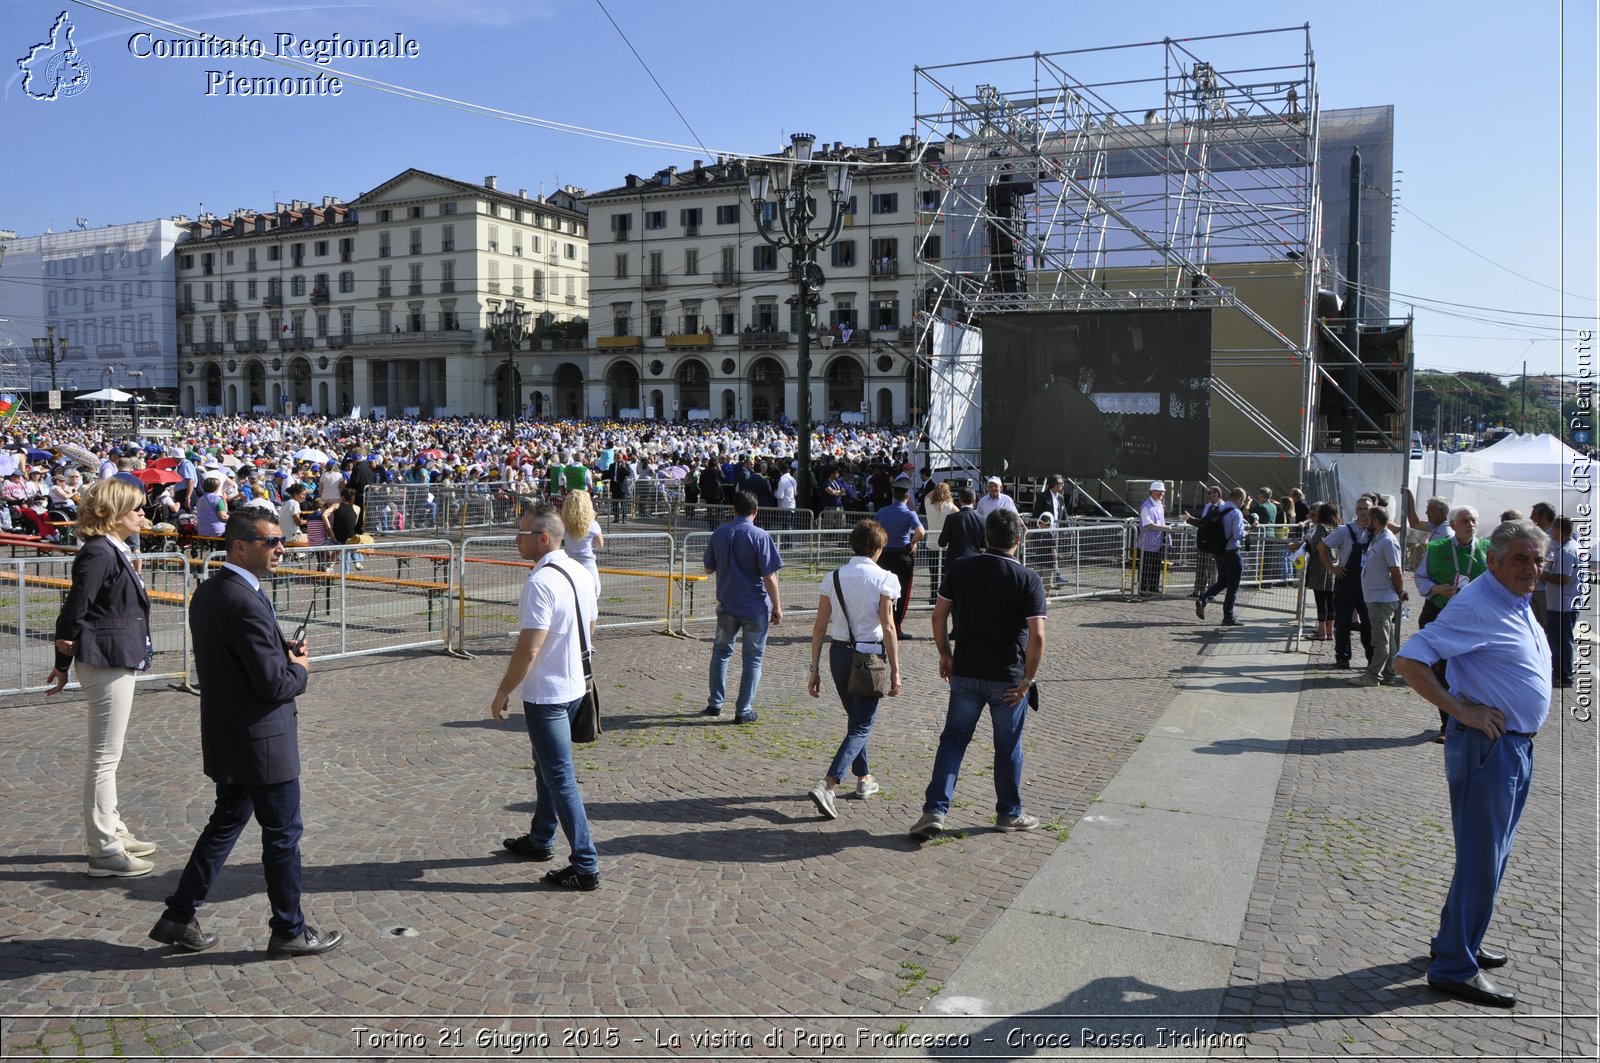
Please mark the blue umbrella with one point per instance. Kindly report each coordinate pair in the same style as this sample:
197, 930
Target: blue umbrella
34, 454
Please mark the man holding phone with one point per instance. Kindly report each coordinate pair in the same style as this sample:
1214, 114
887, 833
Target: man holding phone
249, 678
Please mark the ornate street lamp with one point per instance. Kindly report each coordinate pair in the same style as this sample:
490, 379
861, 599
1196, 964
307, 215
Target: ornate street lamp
508, 327
785, 184
47, 350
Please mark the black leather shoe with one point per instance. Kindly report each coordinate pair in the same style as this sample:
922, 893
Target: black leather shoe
1479, 990
1488, 959
186, 936
712, 710
523, 847
309, 942
746, 717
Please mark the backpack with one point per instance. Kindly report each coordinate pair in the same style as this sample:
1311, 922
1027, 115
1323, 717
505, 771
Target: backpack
1210, 536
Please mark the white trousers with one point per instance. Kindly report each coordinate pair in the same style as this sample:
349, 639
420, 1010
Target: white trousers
110, 694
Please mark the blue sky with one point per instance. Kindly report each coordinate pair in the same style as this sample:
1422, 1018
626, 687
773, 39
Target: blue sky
1490, 160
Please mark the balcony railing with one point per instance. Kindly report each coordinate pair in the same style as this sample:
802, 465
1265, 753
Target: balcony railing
886, 267
228, 305
414, 289
618, 343
385, 291
209, 347
447, 286
272, 300
752, 341
653, 281
320, 296
691, 339
361, 339
296, 343
572, 300
338, 340
185, 306
724, 278
250, 346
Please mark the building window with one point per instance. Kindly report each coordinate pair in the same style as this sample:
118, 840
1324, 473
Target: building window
383, 245
885, 312
655, 219
538, 243
416, 241
385, 319
447, 208
764, 258
844, 254
728, 214
186, 260
843, 312
416, 278
274, 253
385, 286
494, 276
885, 202
347, 249
447, 238
250, 289
250, 260
931, 247
766, 317
689, 218
385, 214
885, 258
210, 292
657, 313
494, 238
298, 252
208, 263
414, 212
657, 274
347, 281
347, 321
569, 251
622, 267
691, 262
297, 284
930, 199
620, 225
322, 324
321, 249
447, 275
516, 242
275, 288
516, 279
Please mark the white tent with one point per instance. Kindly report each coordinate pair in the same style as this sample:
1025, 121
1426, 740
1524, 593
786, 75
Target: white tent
1513, 474
105, 395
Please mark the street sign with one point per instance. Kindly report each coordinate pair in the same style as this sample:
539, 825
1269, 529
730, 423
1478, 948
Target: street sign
674, 405
55, 400
863, 405
1580, 437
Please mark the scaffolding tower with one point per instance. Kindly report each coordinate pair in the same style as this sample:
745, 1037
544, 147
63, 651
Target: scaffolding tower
1127, 177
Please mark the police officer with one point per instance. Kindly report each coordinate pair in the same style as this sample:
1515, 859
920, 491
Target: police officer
905, 531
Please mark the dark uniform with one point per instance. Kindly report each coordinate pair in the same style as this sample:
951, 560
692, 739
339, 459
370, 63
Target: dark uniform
901, 523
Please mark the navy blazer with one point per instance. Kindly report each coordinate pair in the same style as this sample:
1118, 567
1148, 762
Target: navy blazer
248, 718
961, 536
107, 612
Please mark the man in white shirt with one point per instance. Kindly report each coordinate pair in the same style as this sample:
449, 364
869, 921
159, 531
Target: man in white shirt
785, 491
994, 498
547, 665
1383, 589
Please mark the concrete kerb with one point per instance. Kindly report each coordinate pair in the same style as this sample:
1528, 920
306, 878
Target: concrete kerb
1104, 937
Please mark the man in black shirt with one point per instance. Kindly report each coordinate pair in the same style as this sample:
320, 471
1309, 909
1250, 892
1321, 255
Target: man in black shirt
998, 607
962, 534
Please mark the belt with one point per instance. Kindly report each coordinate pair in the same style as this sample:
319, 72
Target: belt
1522, 734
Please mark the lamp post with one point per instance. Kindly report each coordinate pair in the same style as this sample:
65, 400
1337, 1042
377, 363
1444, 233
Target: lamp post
785, 183
47, 350
507, 327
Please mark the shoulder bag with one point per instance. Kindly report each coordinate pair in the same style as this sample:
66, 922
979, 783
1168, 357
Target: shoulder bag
586, 722
869, 672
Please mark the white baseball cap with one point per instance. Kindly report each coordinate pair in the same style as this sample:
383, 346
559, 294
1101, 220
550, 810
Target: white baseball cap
1157, 485
993, 480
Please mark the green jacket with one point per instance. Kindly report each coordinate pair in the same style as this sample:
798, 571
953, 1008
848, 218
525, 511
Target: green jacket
1445, 556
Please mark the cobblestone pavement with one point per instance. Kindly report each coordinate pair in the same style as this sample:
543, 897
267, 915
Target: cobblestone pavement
1333, 956
728, 910
723, 894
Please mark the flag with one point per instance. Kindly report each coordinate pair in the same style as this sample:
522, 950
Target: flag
9, 407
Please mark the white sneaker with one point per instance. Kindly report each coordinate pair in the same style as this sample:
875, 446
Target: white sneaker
866, 786
822, 797
133, 846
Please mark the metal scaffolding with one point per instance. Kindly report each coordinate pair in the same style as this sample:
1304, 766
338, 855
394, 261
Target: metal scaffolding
1121, 178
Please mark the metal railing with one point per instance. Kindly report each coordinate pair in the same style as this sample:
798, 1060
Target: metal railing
426, 508
1080, 560
32, 590
640, 585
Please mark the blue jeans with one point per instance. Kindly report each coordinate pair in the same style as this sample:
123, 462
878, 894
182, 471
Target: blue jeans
967, 700
558, 799
755, 647
276, 807
859, 713
1230, 570
1488, 783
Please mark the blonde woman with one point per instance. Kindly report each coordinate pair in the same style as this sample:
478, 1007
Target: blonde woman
938, 505
583, 536
104, 627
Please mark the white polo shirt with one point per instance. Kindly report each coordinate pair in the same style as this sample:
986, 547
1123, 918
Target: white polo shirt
548, 605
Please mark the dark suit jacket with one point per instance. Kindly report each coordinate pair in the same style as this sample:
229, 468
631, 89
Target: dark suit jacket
248, 717
107, 612
961, 536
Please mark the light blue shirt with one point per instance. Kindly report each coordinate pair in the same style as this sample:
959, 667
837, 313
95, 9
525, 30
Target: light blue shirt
1497, 654
1233, 525
1377, 582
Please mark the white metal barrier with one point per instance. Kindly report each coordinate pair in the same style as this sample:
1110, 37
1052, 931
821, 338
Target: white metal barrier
360, 600
639, 585
32, 590
440, 507
1080, 560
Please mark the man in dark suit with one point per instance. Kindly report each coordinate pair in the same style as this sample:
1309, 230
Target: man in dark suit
249, 677
962, 534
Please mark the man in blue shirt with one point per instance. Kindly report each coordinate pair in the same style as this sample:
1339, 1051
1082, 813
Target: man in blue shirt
1230, 570
746, 564
1498, 699
1382, 589
905, 531
184, 491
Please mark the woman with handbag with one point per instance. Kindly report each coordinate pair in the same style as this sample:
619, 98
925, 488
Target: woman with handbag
104, 631
856, 612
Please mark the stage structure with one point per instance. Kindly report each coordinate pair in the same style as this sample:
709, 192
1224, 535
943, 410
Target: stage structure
1171, 175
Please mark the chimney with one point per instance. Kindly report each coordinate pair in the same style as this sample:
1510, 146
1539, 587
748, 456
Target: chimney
838, 147
489, 182
633, 180
699, 165
522, 193
872, 142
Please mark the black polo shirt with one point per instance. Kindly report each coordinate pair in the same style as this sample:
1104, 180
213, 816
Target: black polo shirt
992, 596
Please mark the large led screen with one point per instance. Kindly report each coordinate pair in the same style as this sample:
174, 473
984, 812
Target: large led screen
1097, 394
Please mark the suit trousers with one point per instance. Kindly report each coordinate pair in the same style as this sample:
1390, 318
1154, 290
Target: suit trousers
1348, 607
276, 807
110, 695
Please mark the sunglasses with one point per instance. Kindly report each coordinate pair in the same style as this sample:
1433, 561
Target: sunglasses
270, 540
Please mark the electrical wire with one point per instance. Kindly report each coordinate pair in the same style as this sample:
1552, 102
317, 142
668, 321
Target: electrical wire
664, 95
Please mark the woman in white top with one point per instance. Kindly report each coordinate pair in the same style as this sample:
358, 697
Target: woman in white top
938, 505
869, 597
583, 536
